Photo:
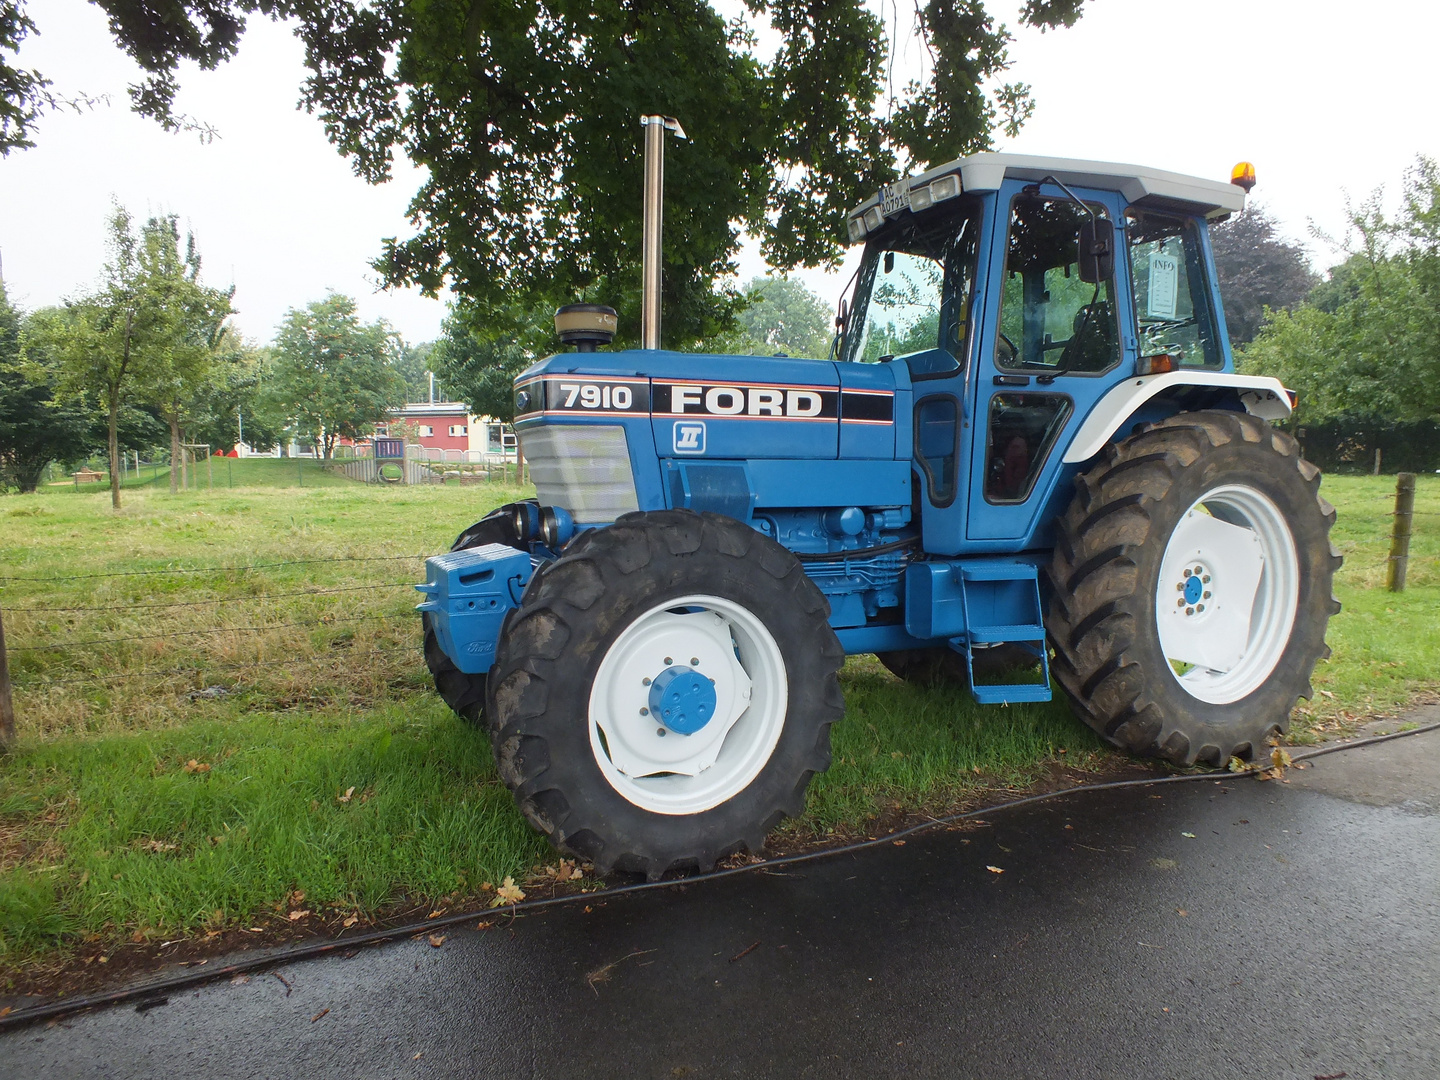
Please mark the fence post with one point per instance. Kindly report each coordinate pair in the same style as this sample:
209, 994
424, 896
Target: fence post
1377, 461
1400, 532
7, 704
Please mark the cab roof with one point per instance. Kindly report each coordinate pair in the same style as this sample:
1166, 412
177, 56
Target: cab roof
1139, 185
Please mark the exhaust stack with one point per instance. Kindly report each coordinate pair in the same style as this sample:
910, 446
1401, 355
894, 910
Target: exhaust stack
652, 217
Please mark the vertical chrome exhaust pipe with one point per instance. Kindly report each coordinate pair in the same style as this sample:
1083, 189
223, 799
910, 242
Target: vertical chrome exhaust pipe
652, 217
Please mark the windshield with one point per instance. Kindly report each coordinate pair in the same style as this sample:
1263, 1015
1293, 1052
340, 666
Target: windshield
913, 288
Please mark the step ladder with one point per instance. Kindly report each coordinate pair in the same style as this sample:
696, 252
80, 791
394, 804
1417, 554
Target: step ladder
1001, 602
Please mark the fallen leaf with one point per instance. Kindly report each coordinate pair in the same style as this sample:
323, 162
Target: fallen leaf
318, 1015
1188, 835
6, 1011
436, 913
351, 921
193, 766
239, 980
158, 846
898, 843
1331, 696
346, 797
436, 940
102, 959
418, 1056
1181, 912
994, 869
296, 916
508, 893
297, 896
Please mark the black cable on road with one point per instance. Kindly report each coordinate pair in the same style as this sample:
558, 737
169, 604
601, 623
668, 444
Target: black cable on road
151, 992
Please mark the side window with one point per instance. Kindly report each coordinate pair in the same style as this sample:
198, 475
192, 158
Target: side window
1020, 435
1172, 294
1051, 322
936, 421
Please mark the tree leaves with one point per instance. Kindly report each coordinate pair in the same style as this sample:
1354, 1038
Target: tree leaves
1365, 341
332, 375
524, 116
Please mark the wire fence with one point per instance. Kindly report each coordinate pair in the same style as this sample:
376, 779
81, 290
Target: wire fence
58, 651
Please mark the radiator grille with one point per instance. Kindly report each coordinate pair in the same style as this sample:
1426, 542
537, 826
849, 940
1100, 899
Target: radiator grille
584, 468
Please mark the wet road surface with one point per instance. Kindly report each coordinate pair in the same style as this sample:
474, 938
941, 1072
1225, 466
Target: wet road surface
1295, 934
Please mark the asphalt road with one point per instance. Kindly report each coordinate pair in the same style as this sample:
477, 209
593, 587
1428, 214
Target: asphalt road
1207, 930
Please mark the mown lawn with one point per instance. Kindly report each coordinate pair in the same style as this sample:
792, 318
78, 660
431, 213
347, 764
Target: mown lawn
241, 754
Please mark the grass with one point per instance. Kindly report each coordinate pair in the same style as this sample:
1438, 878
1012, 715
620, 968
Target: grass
136, 807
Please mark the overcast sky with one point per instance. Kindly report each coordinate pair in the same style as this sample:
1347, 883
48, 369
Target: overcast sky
1324, 97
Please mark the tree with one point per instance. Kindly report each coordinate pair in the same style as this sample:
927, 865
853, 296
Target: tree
334, 376
781, 316
188, 347
413, 364
1257, 268
34, 429
524, 117
112, 342
1367, 342
482, 349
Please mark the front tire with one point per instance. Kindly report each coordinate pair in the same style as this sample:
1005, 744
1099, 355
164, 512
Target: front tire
659, 602
1191, 587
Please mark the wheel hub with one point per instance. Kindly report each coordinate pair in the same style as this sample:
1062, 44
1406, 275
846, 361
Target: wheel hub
682, 699
1194, 589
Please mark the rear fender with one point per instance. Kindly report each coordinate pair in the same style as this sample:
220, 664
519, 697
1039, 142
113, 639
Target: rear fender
1259, 395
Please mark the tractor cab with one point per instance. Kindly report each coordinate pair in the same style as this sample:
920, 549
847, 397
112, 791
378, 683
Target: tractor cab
1017, 294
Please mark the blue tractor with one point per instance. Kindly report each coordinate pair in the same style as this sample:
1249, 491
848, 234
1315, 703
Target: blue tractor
1029, 458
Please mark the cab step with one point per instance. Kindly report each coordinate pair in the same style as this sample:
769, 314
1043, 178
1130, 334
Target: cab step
1001, 603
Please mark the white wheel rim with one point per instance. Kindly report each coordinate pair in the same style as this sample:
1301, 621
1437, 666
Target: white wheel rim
1228, 590
677, 773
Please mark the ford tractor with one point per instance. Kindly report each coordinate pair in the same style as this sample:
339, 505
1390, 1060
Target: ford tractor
1028, 454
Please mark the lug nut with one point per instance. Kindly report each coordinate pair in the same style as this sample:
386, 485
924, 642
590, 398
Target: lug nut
1189, 611
1207, 596
644, 711
1180, 602
660, 731
645, 681
668, 661
694, 661
1199, 607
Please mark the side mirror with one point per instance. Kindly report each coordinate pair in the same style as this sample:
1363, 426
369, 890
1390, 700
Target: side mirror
842, 314
1096, 255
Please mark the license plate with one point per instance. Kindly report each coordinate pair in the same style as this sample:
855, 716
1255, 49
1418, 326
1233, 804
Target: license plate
895, 197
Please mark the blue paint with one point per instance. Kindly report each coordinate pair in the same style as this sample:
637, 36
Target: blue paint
682, 699
1194, 589
467, 596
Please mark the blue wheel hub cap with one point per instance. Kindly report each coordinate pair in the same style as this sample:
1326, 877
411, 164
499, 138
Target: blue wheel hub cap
682, 699
1194, 588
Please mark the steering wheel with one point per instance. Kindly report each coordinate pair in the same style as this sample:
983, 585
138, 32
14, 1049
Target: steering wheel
1005, 350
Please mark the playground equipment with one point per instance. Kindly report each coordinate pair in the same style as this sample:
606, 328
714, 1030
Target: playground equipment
1028, 458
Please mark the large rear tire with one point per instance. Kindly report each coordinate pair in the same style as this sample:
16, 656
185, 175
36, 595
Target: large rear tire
1191, 587
661, 602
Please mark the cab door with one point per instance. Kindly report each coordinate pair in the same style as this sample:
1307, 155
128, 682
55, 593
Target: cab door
1049, 347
